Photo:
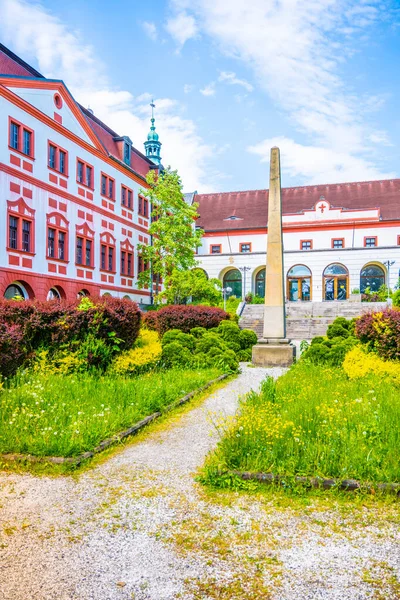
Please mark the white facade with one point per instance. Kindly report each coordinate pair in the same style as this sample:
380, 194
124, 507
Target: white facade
47, 109
353, 228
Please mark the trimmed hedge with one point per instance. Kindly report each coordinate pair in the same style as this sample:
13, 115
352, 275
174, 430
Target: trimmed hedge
26, 326
184, 318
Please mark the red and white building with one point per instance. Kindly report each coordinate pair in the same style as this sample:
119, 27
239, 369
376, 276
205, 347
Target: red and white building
72, 215
336, 237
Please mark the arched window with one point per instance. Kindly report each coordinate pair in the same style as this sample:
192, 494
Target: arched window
372, 277
259, 287
53, 294
83, 294
336, 282
15, 291
299, 284
233, 280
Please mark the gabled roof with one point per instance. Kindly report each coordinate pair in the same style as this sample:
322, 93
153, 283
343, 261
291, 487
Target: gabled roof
250, 208
13, 65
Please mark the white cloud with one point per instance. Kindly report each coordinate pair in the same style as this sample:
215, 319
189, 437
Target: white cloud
34, 33
182, 27
230, 77
318, 164
150, 30
208, 90
296, 49
187, 88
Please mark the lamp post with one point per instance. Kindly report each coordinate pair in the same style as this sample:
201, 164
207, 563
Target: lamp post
244, 271
225, 291
388, 264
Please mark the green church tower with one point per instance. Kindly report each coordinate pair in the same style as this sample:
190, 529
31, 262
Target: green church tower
153, 145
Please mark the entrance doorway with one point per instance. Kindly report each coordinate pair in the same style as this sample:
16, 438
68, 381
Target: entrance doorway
336, 282
299, 284
233, 280
260, 283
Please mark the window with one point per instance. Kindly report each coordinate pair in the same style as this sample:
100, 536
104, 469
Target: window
107, 252
20, 227
306, 245
21, 138
84, 246
84, 173
143, 207
338, 243
107, 186
19, 237
142, 265
57, 236
127, 153
245, 247
127, 258
58, 159
27, 142
14, 136
83, 252
13, 233
126, 197
215, 249
370, 242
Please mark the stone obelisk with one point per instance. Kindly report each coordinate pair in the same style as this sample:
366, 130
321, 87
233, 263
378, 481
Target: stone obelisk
274, 349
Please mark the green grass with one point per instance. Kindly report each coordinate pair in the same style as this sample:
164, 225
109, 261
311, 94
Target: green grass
54, 415
314, 421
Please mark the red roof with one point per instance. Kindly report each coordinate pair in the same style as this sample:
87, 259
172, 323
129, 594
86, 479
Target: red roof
11, 64
251, 207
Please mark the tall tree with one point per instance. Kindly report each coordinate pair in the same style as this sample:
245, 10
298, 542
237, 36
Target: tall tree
174, 235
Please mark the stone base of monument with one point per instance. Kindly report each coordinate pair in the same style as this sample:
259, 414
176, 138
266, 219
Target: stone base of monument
273, 353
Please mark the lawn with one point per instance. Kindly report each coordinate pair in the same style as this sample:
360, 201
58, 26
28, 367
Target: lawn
314, 421
55, 415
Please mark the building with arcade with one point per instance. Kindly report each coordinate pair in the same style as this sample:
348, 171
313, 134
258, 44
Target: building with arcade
337, 238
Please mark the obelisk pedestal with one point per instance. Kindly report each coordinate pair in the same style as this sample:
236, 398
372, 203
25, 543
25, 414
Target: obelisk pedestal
274, 349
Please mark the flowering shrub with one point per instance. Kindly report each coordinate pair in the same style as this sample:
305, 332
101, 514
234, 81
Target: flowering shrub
380, 331
184, 318
358, 363
143, 357
95, 329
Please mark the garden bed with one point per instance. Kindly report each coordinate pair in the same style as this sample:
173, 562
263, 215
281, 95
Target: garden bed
65, 416
314, 422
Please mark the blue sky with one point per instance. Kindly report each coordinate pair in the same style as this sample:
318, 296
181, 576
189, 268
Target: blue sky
231, 78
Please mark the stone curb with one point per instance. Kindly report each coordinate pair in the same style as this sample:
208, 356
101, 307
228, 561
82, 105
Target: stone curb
349, 485
76, 460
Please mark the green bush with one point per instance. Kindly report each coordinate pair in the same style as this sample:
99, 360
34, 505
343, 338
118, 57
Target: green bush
198, 332
247, 338
176, 355
396, 298
229, 332
176, 335
208, 341
332, 349
244, 355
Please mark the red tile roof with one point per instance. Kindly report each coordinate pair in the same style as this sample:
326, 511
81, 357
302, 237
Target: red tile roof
251, 207
11, 64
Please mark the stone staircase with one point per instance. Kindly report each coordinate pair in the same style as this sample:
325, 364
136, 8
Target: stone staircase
305, 320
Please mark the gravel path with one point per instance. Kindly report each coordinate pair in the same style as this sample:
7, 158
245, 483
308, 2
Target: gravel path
138, 526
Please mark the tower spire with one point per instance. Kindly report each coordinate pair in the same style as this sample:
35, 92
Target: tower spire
153, 144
